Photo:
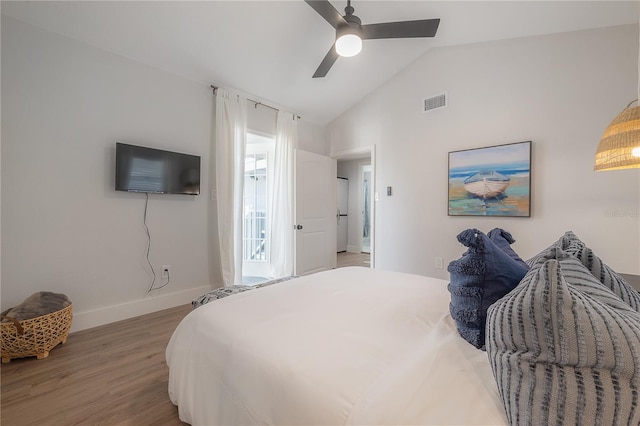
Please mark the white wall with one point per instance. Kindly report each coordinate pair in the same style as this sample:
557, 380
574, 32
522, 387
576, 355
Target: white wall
65, 229
65, 104
559, 91
262, 119
311, 137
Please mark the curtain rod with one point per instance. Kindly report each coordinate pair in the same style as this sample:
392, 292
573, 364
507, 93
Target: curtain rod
256, 103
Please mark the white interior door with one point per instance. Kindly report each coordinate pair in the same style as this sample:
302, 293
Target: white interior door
315, 213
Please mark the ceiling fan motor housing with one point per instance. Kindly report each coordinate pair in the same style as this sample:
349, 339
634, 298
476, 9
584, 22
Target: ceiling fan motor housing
349, 29
354, 24
349, 34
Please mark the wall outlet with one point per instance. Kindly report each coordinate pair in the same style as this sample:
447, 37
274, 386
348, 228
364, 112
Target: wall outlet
166, 271
439, 262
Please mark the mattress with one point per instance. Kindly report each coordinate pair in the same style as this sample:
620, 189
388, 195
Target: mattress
346, 346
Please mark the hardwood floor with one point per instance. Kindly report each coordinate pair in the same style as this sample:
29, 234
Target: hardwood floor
108, 375
353, 259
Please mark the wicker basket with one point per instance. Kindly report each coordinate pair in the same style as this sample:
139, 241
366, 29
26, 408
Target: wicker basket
39, 335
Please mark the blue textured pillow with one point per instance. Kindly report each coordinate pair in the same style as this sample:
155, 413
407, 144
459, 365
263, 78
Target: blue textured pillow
503, 239
479, 278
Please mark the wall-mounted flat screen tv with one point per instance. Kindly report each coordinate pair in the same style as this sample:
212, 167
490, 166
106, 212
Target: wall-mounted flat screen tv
141, 169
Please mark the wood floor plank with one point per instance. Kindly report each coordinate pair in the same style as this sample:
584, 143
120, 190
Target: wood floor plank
345, 259
110, 375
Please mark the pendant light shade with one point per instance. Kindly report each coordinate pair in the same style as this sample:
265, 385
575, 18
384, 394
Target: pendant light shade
619, 147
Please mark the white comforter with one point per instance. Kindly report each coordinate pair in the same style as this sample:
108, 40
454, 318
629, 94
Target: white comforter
347, 346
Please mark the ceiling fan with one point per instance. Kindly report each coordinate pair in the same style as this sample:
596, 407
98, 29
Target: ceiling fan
350, 32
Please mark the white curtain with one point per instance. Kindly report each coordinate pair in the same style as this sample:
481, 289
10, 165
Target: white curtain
231, 139
281, 216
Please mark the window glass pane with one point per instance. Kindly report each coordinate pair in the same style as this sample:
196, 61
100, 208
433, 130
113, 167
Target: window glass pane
255, 208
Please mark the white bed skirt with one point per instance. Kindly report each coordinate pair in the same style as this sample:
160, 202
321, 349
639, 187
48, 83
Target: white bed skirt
347, 346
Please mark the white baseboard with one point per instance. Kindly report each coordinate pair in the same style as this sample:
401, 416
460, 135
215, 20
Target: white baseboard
353, 249
109, 314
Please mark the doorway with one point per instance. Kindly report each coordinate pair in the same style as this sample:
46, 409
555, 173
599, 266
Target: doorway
365, 233
357, 167
258, 178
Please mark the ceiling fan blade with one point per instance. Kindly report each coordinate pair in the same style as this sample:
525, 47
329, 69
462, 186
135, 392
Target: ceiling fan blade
326, 63
403, 29
328, 12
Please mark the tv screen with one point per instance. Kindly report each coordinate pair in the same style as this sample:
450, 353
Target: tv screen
140, 169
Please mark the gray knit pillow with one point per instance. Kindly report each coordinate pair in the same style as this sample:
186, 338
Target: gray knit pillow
563, 242
571, 244
607, 276
564, 349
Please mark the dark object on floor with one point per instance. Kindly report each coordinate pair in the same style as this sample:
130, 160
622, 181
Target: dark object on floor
35, 326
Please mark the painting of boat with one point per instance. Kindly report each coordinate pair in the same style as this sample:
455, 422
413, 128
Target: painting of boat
487, 184
491, 181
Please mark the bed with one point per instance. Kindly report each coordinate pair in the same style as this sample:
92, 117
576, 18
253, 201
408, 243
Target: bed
346, 346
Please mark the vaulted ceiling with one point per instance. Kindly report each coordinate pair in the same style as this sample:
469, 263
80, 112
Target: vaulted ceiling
270, 49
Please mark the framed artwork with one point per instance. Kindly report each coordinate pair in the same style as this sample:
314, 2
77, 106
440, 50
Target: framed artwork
491, 181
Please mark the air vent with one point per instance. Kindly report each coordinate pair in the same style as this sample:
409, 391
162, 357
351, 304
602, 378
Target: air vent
434, 102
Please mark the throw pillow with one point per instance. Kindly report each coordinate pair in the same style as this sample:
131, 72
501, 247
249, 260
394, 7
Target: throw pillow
37, 305
564, 348
481, 276
504, 239
607, 276
563, 242
570, 243
223, 292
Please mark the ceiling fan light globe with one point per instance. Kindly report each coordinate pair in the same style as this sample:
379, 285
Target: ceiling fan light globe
348, 45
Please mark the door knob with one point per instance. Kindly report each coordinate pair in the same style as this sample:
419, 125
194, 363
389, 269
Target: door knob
298, 227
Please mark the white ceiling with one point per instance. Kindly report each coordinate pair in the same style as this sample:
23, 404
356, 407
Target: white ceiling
270, 49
